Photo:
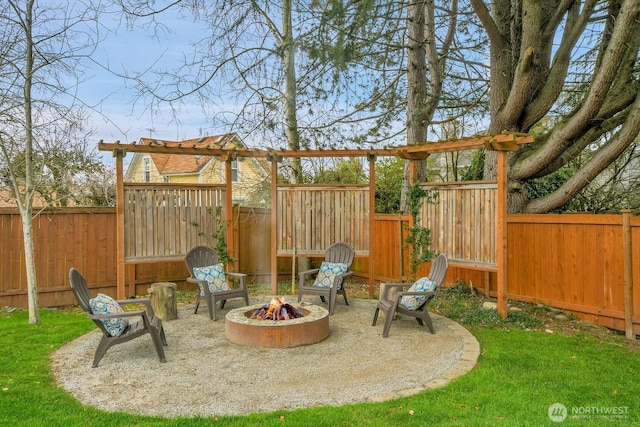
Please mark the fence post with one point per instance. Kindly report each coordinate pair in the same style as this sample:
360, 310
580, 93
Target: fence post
627, 259
372, 225
274, 223
228, 208
120, 238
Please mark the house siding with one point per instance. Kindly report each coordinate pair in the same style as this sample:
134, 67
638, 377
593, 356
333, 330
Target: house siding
135, 173
184, 179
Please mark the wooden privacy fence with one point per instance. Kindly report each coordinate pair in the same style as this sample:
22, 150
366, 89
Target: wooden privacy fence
576, 262
86, 239
571, 261
312, 217
82, 238
462, 224
390, 253
252, 231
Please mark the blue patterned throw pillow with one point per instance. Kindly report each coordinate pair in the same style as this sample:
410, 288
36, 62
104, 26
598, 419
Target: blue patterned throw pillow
104, 304
413, 302
214, 276
328, 272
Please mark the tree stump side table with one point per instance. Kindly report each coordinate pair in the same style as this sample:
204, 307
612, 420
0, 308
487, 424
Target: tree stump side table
164, 300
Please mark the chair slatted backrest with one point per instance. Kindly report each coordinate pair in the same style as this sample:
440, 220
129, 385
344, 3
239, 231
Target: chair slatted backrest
81, 291
340, 253
200, 256
439, 267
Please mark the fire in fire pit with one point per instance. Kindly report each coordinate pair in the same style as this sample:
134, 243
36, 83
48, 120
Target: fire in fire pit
277, 309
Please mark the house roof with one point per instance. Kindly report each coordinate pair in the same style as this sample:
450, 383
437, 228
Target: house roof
171, 164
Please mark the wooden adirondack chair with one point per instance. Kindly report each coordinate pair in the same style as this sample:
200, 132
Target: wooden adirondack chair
147, 323
329, 278
408, 306
202, 263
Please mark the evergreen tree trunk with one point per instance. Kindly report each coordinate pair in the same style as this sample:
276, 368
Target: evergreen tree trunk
291, 118
425, 76
416, 90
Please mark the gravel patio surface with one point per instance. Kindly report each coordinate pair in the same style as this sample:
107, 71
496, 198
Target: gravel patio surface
206, 375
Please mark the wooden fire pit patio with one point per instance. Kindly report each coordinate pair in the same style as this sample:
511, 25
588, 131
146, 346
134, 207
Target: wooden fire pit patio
241, 329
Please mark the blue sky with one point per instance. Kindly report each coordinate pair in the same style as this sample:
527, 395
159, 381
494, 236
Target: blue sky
128, 51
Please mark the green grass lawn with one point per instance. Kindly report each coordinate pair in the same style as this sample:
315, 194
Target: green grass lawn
521, 372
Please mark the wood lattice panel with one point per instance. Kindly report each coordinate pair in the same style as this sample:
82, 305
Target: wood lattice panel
310, 218
463, 223
166, 220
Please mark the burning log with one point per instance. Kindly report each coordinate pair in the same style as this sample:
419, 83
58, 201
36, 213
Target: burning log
277, 309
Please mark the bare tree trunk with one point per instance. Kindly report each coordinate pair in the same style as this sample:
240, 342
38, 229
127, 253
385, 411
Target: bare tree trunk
26, 206
42, 46
30, 265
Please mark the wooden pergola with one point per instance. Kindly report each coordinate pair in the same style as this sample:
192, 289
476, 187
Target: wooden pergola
501, 143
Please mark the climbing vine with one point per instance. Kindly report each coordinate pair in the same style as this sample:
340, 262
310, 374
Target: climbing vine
419, 237
219, 236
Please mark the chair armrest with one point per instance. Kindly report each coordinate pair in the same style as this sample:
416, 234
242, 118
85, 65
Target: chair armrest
133, 313
417, 293
242, 278
202, 284
238, 275
388, 286
339, 279
397, 285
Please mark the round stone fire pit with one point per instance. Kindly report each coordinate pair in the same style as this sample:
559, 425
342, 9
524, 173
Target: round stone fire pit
241, 329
